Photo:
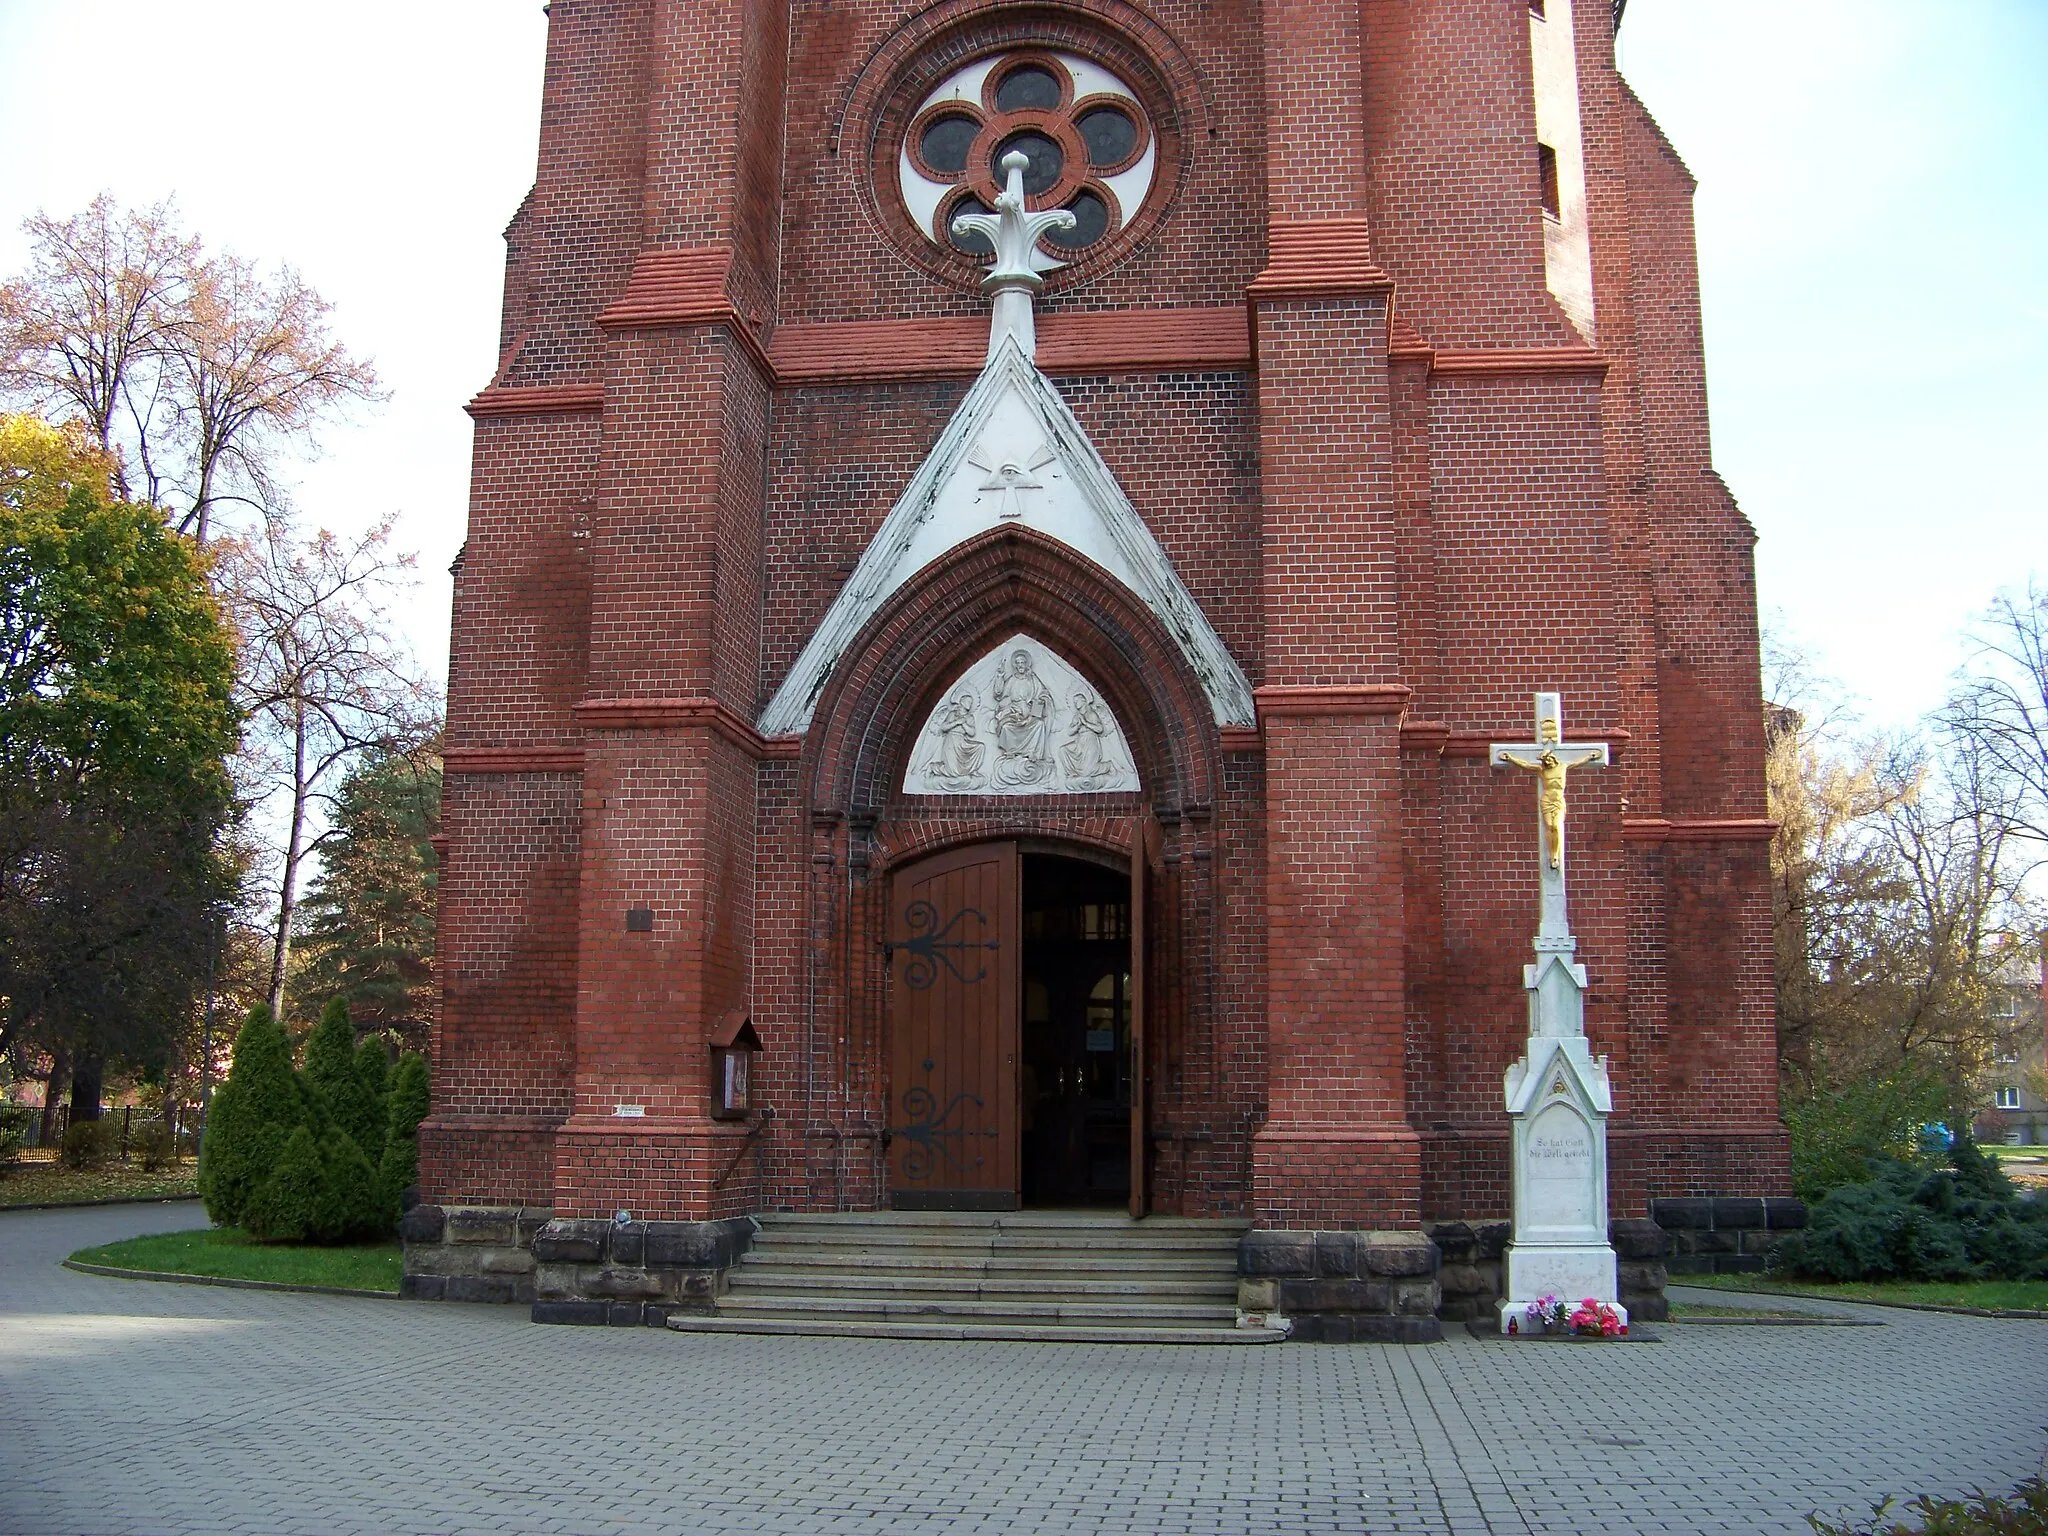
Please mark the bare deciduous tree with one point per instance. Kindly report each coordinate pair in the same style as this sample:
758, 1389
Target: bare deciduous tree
2000, 705
322, 680
83, 329
198, 372
1897, 903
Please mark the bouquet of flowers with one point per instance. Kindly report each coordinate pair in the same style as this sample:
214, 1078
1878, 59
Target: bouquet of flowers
1546, 1313
1595, 1319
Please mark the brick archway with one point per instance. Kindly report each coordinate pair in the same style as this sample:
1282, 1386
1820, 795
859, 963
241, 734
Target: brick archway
1006, 581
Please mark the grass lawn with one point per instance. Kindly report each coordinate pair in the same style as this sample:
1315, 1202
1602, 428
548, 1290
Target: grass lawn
39, 1179
1997, 1295
1681, 1310
232, 1253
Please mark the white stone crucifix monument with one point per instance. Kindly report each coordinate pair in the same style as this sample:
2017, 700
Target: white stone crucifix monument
1558, 1096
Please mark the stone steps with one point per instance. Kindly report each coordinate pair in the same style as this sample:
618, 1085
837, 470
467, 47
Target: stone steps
1085, 1277
1010, 1310
844, 1281
1034, 1333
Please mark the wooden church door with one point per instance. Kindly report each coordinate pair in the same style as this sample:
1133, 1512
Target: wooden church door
953, 949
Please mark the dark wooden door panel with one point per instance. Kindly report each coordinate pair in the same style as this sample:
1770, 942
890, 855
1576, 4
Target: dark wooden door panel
953, 967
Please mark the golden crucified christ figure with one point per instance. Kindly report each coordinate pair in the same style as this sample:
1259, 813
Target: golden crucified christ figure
1550, 771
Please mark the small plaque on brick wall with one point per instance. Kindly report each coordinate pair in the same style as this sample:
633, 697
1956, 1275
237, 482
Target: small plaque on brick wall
639, 919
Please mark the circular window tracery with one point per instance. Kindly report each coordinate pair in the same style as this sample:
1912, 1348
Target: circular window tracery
1084, 133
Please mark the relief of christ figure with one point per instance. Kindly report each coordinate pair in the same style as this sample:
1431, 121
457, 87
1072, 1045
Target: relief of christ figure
1081, 754
956, 762
1023, 725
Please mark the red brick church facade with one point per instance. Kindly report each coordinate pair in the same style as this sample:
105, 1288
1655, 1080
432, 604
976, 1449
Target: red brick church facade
1385, 319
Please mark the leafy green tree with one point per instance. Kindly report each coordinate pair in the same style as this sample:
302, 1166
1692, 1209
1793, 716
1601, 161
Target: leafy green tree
367, 923
409, 1104
116, 722
255, 1113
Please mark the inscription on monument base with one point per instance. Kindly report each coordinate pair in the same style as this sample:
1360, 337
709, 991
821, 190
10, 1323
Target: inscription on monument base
1560, 1171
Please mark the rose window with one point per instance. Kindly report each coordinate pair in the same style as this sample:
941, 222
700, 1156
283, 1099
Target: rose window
1084, 136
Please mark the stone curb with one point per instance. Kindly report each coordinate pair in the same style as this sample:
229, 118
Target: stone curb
82, 1205
1814, 1321
1900, 1306
235, 1285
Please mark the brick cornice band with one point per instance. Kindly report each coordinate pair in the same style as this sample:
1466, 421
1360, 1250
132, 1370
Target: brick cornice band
1518, 360
545, 400
1318, 257
657, 714
678, 288
1242, 738
1698, 829
641, 1127
856, 351
1311, 1134
512, 760
442, 1121
1357, 699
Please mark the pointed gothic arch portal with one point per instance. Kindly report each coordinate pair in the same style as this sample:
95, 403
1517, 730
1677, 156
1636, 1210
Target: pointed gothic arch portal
1018, 1008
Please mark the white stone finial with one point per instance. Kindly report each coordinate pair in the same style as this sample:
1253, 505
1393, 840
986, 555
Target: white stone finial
1013, 232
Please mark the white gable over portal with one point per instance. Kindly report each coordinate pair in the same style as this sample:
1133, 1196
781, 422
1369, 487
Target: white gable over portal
1013, 453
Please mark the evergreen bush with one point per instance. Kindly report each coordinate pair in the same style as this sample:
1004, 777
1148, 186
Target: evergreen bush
1906, 1221
288, 1205
409, 1100
253, 1115
337, 1086
352, 1199
323, 1190
373, 1071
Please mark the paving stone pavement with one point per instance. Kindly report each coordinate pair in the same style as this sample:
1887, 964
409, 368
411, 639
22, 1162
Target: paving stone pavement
133, 1407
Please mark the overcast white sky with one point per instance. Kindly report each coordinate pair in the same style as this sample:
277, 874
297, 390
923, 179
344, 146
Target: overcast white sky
1873, 217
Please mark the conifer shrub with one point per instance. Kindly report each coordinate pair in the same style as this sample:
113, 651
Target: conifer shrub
252, 1117
323, 1190
409, 1099
373, 1071
352, 1197
289, 1205
336, 1085
1964, 1220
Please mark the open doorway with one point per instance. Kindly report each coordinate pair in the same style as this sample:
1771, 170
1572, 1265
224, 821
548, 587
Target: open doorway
1074, 1077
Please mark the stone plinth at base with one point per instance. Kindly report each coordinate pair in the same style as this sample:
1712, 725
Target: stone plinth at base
469, 1252
1341, 1287
633, 1273
1570, 1270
